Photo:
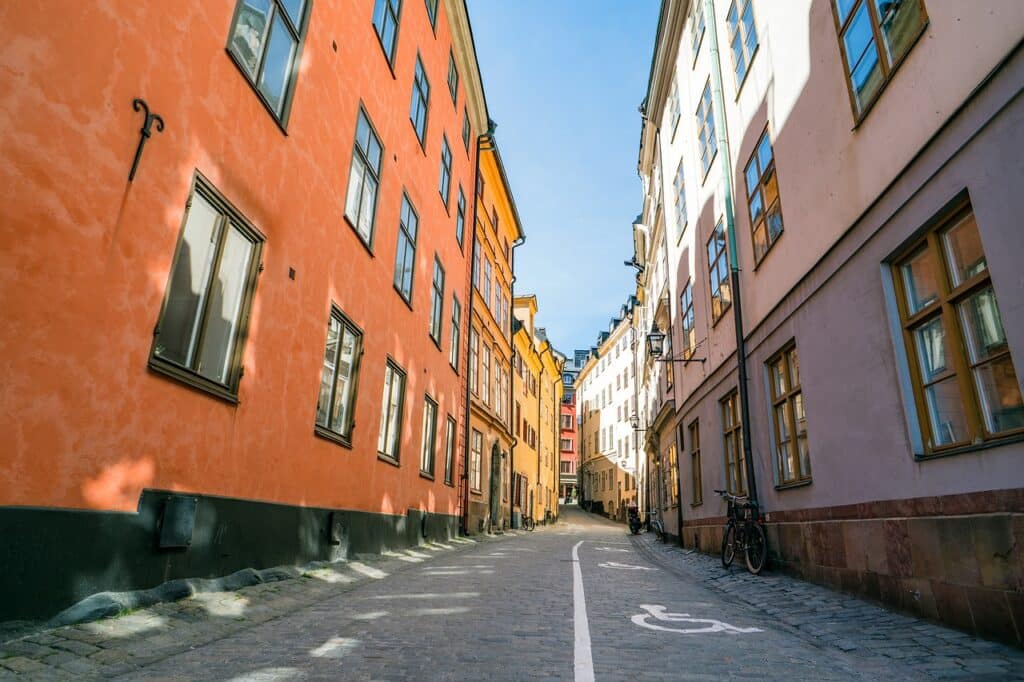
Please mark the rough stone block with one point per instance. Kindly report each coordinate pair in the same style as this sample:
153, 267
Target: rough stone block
897, 548
918, 597
993, 544
956, 536
856, 544
991, 613
925, 548
952, 605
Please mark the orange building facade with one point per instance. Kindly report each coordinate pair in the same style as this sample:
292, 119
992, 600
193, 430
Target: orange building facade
254, 352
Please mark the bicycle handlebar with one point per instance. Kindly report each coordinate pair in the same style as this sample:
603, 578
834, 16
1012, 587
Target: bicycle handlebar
729, 496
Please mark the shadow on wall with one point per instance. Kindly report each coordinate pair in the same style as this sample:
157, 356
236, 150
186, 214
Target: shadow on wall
53, 558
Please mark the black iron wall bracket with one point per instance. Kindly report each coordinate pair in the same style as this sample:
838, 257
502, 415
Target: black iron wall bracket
144, 132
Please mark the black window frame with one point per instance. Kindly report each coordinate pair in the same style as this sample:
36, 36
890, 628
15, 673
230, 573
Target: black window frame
229, 217
410, 251
453, 78
395, 13
324, 430
298, 33
422, 91
444, 185
362, 155
460, 218
431, 454
437, 302
399, 372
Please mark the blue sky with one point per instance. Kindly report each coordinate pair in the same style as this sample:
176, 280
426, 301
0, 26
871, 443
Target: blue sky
563, 81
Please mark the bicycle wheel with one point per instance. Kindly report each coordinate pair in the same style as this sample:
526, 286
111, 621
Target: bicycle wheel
757, 548
729, 545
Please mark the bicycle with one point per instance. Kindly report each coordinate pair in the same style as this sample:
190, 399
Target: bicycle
658, 528
743, 533
528, 523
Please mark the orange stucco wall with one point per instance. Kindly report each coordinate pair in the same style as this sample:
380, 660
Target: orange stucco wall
85, 256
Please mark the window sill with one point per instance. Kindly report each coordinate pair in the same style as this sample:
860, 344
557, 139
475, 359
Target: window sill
757, 263
366, 245
476, 492
327, 434
694, 505
450, 484
794, 484
192, 380
427, 475
406, 301
387, 60
281, 121
388, 459
972, 448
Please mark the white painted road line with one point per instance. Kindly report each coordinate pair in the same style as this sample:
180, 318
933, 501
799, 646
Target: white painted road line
583, 662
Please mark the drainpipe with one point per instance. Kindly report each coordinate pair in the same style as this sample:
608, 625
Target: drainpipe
469, 340
730, 229
511, 384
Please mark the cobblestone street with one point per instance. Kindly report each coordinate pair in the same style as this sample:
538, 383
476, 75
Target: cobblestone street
504, 609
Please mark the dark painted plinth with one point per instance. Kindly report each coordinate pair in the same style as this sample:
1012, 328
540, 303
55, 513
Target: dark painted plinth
52, 558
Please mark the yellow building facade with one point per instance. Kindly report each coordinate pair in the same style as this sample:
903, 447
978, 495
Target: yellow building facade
537, 393
496, 232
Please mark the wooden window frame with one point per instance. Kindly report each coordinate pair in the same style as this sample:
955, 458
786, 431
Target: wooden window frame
466, 132
474, 359
403, 230
421, 91
476, 457
444, 185
698, 27
945, 308
428, 456
762, 179
345, 437
456, 333
733, 432
358, 153
787, 400
706, 131
299, 34
460, 217
396, 16
395, 458
738, 28
451, 434
696, 471
229, 217
888, 69
453, 78
720, 255
437, 303
679, 185
687, 320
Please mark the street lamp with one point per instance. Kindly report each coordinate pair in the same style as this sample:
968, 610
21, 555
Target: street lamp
656, 346
634, 421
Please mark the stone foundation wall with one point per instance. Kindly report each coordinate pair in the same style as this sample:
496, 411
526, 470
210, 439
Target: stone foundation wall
964, 570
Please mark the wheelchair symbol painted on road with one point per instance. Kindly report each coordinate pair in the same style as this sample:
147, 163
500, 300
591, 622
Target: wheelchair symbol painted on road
709, 624
610, 549
625, 567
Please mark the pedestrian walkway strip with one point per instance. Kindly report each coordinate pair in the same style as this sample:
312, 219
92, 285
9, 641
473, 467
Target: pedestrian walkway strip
583, 662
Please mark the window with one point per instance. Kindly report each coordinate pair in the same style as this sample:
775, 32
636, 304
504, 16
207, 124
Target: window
338, 378
487, 282
566, 444
494, 218
479, 186
674, 107
697, 27
485, 374
718, 268
266, 38
476, 264
706, 130
453, 77
449, 450
673, 476
465, 129
391, 411
679, 185
789, 420
405, 254
420, 102
429, 441
460, 217
565, 467
695, 466
965, 385
437, 302
763, 198
205, 314
686, 316
363, 180
566, 421
732, 434
432, 12
475, 455
863, 25
445, 183
453, 352
385, 22
670, 372
474, 352
742, 37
